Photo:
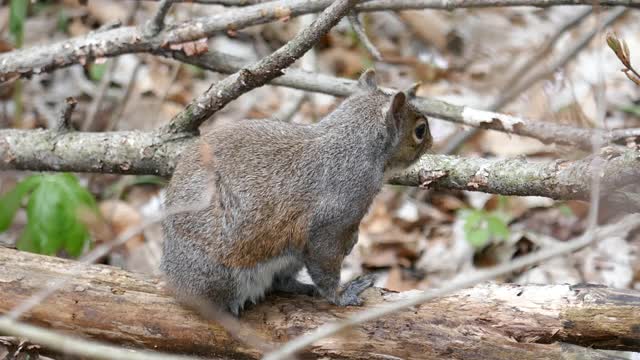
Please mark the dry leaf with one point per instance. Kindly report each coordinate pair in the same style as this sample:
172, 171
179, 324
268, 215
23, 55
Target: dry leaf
121, 216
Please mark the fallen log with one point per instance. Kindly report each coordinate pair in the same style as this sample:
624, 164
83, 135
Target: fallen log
488, 321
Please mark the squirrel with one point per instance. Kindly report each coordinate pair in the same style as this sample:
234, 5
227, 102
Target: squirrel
280, 196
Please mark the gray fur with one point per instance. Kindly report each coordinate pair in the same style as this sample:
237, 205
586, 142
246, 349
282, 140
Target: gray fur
281, 196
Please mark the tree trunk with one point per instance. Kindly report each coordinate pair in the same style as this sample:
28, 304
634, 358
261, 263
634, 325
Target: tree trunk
485, 322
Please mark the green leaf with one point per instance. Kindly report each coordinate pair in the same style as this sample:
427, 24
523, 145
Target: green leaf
48, 217
478, 237
473, 219
476, 233
17, 16
26, 242
80, 236
52, 212
96, 71
565, 210
76, 192
11, 201
497, 227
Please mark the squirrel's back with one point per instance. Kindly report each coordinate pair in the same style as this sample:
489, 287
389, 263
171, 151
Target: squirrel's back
265, 179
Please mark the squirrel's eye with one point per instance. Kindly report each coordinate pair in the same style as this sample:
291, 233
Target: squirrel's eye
420, 131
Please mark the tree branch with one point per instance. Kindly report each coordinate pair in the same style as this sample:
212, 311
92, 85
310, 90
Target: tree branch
133, 152
558, 179
522, 76
258, 74
84, 49
361, 33
546, 132
156, 24
64, 120
126, 152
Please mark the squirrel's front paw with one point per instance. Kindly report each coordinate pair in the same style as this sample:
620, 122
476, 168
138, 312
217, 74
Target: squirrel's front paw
348, 299
360, 284
349, 296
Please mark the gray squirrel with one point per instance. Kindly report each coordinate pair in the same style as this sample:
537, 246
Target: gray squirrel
281, 196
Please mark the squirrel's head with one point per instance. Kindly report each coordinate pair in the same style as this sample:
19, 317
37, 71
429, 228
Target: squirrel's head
410, 128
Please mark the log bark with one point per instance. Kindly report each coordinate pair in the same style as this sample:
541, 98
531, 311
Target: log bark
488, 321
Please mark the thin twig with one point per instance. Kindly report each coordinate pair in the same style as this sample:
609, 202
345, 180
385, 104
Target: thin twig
175, 70
546, 71
544, 131
289, 107
124, 100
258, 74
462, 281
71, 345
124, 40
99, 96
522, 70
530, 79
597, 162
362, 36
156, 24
64, 121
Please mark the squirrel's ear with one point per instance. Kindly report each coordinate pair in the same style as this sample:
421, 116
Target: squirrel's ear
398, 102
367, 80
411, 91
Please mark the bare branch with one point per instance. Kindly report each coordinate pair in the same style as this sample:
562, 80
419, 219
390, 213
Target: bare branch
64, 122
85, 49
156, 24
546, 71
124, 99
362, 36
98, 97
126, 152
522, 70
258, 74
544, 131
530, 78
463, 281
133, 152
379, 5
559, 179
289, 107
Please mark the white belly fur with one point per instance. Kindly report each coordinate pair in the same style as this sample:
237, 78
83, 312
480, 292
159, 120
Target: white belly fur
253, 283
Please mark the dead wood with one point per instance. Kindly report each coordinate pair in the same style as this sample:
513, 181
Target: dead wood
487, 321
